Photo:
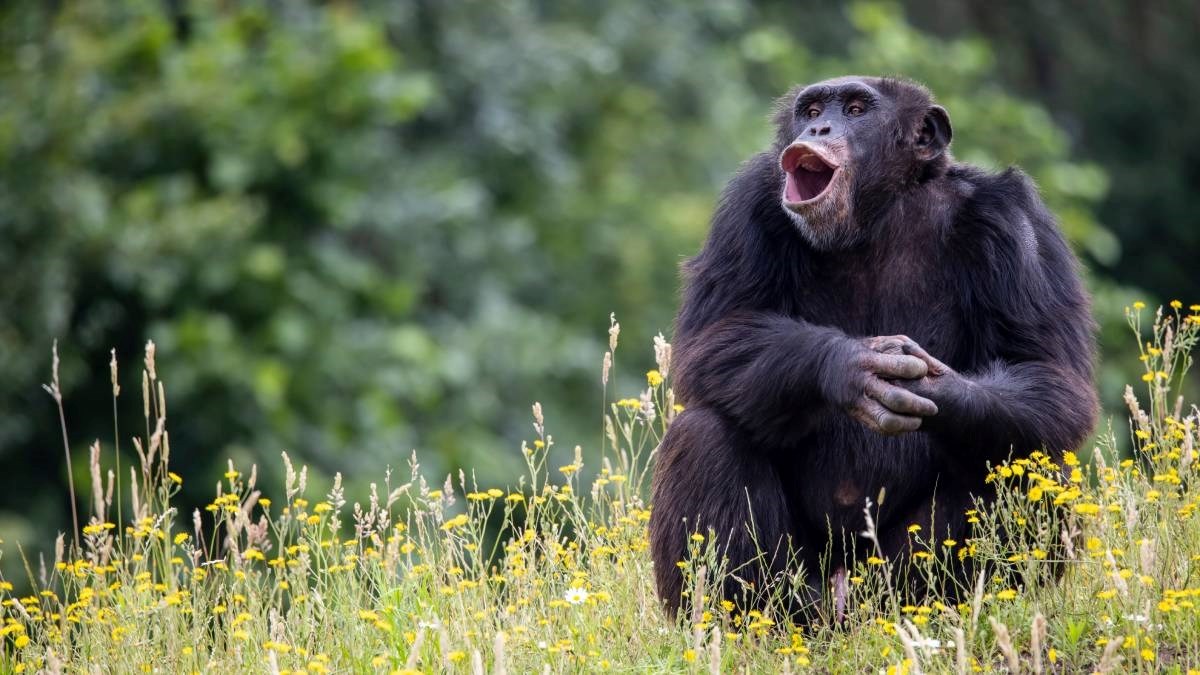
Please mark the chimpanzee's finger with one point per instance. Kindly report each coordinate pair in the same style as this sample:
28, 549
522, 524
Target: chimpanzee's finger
880, 419
910, 346
897, 365
898, 400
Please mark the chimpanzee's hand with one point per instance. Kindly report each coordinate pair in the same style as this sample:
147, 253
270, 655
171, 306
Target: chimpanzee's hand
941, 384
867, 384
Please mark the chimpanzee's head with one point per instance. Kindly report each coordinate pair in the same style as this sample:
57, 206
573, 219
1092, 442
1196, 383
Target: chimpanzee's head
848, 146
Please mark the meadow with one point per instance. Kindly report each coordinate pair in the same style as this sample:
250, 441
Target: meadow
551, 572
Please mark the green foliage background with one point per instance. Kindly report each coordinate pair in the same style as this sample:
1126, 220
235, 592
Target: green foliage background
358, 228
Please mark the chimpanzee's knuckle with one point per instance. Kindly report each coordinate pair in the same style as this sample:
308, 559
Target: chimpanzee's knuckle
858, 382
860, 413
862, 362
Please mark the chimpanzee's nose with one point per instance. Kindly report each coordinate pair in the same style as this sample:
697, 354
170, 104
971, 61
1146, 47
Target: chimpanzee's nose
819, 129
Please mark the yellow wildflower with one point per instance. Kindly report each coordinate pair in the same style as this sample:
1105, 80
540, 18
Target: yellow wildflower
456, 521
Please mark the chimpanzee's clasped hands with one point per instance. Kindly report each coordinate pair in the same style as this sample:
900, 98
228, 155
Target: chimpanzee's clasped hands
894, 384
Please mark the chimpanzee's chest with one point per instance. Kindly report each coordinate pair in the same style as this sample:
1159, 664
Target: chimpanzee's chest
900, 297
843, 462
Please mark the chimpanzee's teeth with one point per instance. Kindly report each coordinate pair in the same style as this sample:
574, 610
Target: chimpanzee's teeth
812, 163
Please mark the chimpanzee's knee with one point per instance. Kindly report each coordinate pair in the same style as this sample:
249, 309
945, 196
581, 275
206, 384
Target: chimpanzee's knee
710, 479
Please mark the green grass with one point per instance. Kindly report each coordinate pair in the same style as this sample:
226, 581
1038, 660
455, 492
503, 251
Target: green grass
554, 572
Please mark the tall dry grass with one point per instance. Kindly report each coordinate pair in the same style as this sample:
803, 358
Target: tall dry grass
551, 572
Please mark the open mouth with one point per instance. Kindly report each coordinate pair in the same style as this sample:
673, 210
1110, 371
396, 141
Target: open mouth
810, 172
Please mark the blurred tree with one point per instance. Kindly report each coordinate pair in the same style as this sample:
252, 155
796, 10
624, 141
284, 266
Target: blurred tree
356, 229
1121, 77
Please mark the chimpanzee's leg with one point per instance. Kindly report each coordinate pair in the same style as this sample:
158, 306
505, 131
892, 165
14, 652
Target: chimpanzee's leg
711, 479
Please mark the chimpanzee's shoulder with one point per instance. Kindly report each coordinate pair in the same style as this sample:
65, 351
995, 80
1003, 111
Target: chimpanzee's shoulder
990, 193
1001, 212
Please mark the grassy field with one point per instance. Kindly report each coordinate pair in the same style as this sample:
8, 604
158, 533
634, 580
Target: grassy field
551, 573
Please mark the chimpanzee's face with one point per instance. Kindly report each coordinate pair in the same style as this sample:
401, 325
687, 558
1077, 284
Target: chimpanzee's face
847, 140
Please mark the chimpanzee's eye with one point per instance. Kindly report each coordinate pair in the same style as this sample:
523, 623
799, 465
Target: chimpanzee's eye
854, 109
812, 113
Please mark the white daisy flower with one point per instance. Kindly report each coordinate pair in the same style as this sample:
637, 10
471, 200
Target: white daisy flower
576, 596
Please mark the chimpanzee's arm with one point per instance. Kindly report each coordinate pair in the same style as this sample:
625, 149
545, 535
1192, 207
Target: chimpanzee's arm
1018, 408
1028, 310
772, 375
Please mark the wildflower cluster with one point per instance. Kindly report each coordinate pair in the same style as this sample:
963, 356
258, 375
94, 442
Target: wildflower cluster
1083, 561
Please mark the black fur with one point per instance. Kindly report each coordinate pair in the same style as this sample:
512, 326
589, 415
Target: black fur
769, 351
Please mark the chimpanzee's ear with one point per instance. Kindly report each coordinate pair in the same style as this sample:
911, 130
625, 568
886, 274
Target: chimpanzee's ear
934, 134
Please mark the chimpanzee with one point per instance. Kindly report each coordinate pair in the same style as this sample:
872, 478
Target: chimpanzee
866, 315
